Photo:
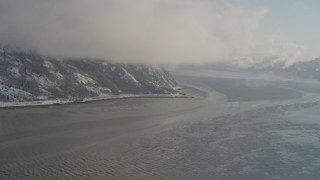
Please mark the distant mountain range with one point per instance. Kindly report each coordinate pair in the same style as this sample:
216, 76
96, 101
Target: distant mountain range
308, 70
32, 77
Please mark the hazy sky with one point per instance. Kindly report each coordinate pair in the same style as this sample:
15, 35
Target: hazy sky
165, 31
296, 20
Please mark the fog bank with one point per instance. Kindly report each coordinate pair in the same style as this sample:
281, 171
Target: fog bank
154, 31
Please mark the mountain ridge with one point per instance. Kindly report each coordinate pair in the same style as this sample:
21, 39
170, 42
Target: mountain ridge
29, 76
303, 70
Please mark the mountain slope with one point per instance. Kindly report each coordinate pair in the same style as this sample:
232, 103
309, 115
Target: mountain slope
30, 76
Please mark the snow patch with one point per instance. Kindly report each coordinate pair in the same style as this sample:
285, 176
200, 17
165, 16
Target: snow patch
127, 76
48, 64
43, 81
100, 97
47, 93
99, 90
84, 79
93, 89
57, 75
14, 94
42, 97
34, 103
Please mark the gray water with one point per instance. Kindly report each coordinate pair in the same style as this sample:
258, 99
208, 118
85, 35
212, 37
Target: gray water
233, 129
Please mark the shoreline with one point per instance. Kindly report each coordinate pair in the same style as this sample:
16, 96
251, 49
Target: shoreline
58, 102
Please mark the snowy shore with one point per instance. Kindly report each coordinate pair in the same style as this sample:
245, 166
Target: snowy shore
90, 99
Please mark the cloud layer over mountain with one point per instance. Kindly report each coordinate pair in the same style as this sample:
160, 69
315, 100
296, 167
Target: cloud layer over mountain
163, 31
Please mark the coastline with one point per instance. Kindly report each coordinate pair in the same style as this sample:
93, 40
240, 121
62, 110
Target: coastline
45, 103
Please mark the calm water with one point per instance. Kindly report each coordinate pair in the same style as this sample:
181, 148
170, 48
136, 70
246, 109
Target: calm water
233, 129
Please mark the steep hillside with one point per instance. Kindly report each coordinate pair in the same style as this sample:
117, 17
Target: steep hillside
30, 77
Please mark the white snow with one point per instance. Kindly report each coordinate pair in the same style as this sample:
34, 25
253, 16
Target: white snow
43, 81
100, 97
125, 96
14, 94
34, 103
176, 88
56, 74
42, 97
99, 90
48, 64
93, 89
84, 79
45, 92
127, 76
59, 76
103, 89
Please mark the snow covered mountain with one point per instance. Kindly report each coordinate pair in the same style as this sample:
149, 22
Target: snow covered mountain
32, 77
307, 70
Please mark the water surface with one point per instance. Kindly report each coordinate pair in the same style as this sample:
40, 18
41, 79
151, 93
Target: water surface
233, 129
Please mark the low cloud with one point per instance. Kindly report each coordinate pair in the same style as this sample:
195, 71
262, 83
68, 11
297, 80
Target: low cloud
152, 31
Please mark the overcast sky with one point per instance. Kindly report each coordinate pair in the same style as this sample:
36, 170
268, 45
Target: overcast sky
295, 20
164, 31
